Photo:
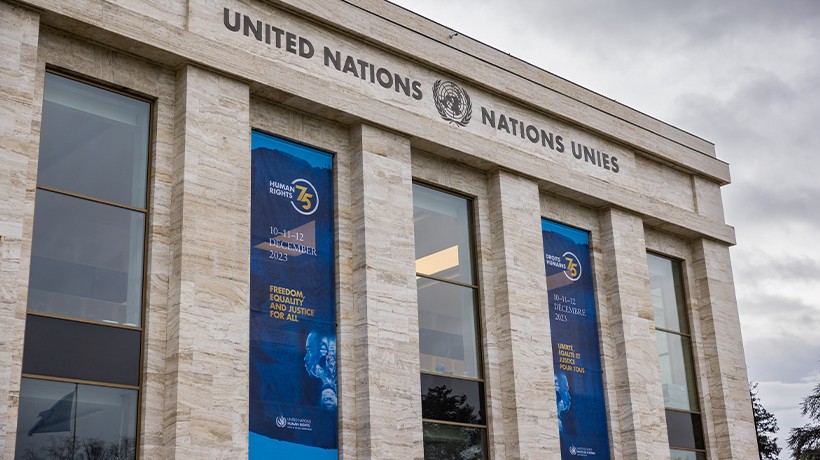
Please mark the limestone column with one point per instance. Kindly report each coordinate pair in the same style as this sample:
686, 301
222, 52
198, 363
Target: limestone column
725, 365
386, 330
21, 98
206, 402
523, 330
637, 378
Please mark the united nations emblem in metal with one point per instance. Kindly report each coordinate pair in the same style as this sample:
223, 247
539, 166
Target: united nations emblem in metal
452, 102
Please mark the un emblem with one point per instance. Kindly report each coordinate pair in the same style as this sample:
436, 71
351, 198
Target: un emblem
281, 421
452, 102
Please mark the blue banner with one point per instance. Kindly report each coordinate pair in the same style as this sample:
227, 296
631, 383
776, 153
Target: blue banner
576, 355
293, 393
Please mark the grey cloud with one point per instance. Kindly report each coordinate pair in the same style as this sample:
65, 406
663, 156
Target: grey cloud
615, 28
785, 359
783, 312
779, 269
768, 133
778, 204
767, 113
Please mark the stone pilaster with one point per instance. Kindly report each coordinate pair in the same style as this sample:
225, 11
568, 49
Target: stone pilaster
21, 102
206, 403
521, 302
725, 363
636, 375
386, 330
708, 198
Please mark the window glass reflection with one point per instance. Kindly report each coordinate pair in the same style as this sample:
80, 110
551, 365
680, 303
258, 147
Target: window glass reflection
447, 328
94, 142
677, 371
442, 229
452, 400
86, 260
91, 352
684, 430
60, 420
667, 294
686, 455
448, 442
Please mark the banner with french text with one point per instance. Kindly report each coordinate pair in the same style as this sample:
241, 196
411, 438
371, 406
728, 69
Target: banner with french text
292, 383
576, 354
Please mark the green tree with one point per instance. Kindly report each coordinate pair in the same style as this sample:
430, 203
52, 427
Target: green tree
765, 426
805, 441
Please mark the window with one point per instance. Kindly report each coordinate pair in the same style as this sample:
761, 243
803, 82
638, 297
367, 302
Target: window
81, 355
452, 385
680, 394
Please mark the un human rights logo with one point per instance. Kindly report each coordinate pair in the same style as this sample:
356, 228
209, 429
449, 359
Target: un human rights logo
573, 270
452, 102
306, 201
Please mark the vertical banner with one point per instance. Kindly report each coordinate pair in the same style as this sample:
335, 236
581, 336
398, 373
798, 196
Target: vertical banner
292, 384
576, 354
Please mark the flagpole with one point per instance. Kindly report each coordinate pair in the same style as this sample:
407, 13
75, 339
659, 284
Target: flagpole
74, 430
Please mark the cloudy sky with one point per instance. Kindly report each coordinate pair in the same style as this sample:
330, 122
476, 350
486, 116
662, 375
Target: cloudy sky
744, 74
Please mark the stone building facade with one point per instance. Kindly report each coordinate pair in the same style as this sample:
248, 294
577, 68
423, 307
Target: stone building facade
398, 100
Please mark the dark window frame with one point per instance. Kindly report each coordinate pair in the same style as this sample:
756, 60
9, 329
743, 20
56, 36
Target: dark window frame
147, 221
478, 315
687, 316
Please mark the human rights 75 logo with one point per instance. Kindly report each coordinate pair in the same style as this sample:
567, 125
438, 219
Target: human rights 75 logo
573, 270
306, 201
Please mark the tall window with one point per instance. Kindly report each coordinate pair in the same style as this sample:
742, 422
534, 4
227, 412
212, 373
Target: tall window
81, 357
680, 393
452, 385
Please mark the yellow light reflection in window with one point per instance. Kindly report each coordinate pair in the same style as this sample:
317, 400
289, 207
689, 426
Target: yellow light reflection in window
438, 261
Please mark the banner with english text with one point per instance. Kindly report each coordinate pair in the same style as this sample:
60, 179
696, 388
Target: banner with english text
292, 382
